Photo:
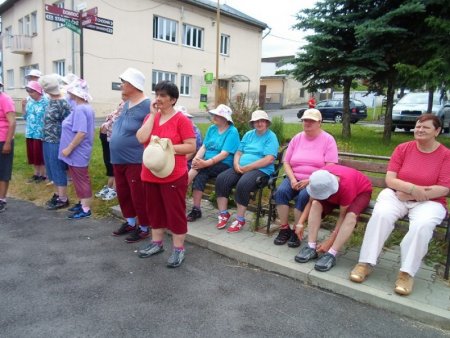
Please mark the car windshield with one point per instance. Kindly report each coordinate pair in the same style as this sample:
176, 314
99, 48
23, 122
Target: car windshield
418, 98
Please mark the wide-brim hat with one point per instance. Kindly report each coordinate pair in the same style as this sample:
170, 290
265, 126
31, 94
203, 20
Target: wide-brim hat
312, 114
259, 115
134, 77
80, 89
50, 84
34, 85
322, 184
223, 111
184, 110
33, 72
69, 78
159, 157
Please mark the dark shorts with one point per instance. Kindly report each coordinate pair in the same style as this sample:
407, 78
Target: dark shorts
6, 163
35, 153
358, 205
106, 155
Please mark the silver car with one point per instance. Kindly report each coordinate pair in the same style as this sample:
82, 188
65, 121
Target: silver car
411, 106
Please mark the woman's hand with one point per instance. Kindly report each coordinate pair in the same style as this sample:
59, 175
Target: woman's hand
419, 194
402, 196
199, 163
154, 108
67, 151
299, 229
326, 244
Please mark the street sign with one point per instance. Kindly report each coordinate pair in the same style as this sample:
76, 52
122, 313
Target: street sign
92, 12
98, 28
73, 27
88, 20
104, 22
67, 13
57, 18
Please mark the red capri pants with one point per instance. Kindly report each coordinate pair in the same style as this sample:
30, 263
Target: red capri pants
35, 153
358, 205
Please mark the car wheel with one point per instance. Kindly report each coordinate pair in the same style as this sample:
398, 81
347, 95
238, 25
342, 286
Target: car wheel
300, 113
354, 121
338, 118
393, 128
407, 129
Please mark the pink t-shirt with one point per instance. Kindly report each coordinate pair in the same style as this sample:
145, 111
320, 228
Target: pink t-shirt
6, 106
178, 128
351, 184
424, 169
308, 154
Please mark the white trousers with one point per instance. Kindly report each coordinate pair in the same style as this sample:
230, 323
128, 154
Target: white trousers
423, 218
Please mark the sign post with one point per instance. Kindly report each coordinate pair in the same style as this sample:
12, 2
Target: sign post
76, 21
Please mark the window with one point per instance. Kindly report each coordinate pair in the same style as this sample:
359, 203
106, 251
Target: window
192, 36
158, 76
33, 23
164, 29
8, 37
24, 71
302, 92
59, 4
20, 26
59, 67
10, 78
225, 44
185, 85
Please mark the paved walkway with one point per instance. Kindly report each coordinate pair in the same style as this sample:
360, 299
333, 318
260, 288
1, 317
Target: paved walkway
429, 302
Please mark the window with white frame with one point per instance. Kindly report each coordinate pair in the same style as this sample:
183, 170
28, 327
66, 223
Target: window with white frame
192, 36
24, 71
158, 76
8, 37
10, 78
20, 25
224, 44
59, 4
164, 29
59, 67
33, 27
185, 84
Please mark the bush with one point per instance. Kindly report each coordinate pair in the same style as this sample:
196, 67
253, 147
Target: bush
278, 128
242, 113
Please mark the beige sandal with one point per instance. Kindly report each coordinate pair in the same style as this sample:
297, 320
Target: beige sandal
404, 284
360, 272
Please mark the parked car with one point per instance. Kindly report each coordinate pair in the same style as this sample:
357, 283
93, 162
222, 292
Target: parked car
412, 105
333, 110
444, 115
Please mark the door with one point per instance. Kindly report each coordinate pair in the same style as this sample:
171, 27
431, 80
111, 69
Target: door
262, 96
223, 92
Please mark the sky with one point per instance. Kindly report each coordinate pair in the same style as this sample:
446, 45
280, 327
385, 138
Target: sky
278, 15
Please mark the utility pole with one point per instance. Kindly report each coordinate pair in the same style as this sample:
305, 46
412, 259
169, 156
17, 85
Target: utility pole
216, 95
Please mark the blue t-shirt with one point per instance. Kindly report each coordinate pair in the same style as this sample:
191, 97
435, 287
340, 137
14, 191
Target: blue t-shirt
255, 147
123, 145
34, 115
215, 142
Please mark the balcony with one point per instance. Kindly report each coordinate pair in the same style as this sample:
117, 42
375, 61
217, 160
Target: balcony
18, 44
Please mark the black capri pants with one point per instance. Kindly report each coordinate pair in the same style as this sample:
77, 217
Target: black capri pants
245, 184
106, 155
205, 174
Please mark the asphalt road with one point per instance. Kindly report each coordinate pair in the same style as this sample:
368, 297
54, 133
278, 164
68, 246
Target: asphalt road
65, 278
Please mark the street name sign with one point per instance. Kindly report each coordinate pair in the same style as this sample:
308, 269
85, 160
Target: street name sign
73, 27
67, 13
99, 28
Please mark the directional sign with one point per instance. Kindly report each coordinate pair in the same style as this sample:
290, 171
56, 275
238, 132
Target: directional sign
67, 13
99, 28
89, 20
57, 18
92, 11
104, 22
73, 27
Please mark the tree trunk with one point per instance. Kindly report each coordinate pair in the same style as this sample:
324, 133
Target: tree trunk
389, 104
346, 129
430, 100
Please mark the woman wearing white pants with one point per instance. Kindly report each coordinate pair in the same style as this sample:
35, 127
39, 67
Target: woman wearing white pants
418, 180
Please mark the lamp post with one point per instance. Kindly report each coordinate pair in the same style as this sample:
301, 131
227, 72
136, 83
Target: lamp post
216, 95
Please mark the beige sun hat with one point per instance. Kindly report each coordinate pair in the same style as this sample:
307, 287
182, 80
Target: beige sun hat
80, 89
50, 84
322, 184
134, 77
159, 157
223, 111
312, 114
259, 115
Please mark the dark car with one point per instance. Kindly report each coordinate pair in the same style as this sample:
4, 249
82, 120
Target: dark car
332, 110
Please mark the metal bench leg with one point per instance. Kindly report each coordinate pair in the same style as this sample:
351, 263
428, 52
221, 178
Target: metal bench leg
258, 207
447, 236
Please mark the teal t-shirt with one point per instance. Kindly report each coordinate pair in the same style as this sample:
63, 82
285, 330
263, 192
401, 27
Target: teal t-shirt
215, 142
254, 147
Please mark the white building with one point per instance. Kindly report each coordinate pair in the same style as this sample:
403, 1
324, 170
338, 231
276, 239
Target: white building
165, 39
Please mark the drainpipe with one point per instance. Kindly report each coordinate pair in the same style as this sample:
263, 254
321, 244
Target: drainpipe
73, 44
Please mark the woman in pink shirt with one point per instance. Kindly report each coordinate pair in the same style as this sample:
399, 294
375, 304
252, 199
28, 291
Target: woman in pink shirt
418, 180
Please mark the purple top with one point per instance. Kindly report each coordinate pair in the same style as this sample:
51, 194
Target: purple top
80, 120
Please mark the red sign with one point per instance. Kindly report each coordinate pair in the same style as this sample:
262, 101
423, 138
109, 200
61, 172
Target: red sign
89, 20
67, 13
90, 12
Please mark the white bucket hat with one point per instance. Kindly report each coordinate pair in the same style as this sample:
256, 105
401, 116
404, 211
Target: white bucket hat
184, 110
80, 89
69, 78
159, 157
259, 115
134, 77
223, 111
312, 114
33, 72
322, 184
50, 84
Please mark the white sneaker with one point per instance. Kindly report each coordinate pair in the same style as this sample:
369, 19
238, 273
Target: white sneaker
110, 195
103, 191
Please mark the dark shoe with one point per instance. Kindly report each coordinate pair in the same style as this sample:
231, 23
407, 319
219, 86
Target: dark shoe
124, 229
293, 241
150, 249
2, 206
76, 208
58, 204
306, 254
40, 179
80, 214
325, 263
52, 200
194, 215
283, 236
137, 235
33, 179
175, 259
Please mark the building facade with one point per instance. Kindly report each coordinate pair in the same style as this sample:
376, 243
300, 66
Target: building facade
165, 39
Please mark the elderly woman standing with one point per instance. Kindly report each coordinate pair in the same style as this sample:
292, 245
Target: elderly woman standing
308, 151
254, 158
420, 194
77, 139
215, 155
34, 132
166, 189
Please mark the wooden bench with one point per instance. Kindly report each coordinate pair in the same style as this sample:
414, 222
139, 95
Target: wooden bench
374, 167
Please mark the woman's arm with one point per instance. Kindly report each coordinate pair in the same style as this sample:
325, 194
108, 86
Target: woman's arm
264, 162
75, 142
406, 190
11, 117
143, 133
187, 147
